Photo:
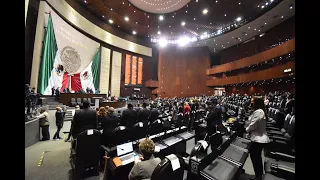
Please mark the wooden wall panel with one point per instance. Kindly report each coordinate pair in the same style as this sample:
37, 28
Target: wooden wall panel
261, 89
105, 70
277, 51
116, 73
182, 72
271, 73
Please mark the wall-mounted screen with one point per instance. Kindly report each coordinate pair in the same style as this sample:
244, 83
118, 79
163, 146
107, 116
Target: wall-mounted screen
133, 70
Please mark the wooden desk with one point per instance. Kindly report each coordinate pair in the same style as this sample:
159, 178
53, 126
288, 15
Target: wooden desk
65, 98
114, 104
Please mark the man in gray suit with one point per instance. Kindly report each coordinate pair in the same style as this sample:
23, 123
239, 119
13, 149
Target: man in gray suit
144, 169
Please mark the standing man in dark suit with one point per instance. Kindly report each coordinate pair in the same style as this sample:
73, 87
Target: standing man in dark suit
143, 115
84, 119
52, 91
129, 117
154, 114
59, 122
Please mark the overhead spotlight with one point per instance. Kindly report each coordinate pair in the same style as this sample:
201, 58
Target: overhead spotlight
126, 18
163, 42
271, 0
110, 21
85, 1
183, 23
160, 17
238, 19
182, 41
159, 32
291, 6
103, 16
262, 7
225, 14
205, 11
281, 16
134, 32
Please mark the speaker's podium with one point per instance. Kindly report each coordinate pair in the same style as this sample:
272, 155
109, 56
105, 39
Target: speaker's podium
97, 101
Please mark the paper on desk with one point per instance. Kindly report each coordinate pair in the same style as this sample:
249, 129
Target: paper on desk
204, 143
157, 149
174, 161
90, 132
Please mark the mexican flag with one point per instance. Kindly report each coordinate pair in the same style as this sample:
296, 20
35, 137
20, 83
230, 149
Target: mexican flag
90, 76
51, 69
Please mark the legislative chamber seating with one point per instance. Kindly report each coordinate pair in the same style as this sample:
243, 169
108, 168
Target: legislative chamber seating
86, 154
73, 102
171, 167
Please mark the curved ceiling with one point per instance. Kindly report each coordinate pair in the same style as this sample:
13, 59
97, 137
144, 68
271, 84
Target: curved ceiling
192, 20
159, 6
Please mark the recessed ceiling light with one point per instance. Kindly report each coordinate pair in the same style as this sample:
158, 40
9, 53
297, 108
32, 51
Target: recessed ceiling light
238, 19
281, 16
225, 14
136, 22
262, 7
255, 29
159, 32
228, 42
186, 11
148, 16
291, 7
265, 23
171, 32
210, 23
259, 30
258, 5
194, 18
249, 27
205, 11
134, 32
126, 18
110, 21
103, 16
160, 17
183, 23
134, 11
85, 1
148, 25
118, 26
111, 9
239, 3
197, 28
246, 34
172, 16
216, 1
122, 2
196, 0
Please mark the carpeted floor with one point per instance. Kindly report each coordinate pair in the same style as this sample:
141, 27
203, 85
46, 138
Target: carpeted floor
55, 164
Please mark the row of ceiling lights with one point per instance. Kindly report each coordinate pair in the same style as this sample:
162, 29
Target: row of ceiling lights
185, 40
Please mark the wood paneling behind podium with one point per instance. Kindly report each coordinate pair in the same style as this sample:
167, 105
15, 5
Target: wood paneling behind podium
182, 71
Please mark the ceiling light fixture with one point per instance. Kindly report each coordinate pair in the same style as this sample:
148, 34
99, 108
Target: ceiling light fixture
281, 16
160, 17
111, 9
238, 19
239, 3
225, 14
163, 42
262, 7
134, 32
194, 18
159, 32
110, 21
205, 11
126, 18
216, 1
103, 16
186, 11
85, 1
183, 23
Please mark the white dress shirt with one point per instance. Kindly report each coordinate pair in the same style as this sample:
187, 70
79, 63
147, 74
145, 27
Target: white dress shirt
257, 127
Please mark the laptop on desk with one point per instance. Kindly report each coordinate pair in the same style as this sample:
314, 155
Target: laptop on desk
125, 153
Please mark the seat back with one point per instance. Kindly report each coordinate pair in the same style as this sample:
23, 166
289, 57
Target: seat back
291, 125
85, 99
120, 135
88, 148
138, 131
171, 167
78, 100
155, 127
89, 100
286, 121
73, 100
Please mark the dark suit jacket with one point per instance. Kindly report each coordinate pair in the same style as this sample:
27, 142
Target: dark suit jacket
109, 123
143, 115
154, 114
84, 119
289, 105
60, 118
128, 118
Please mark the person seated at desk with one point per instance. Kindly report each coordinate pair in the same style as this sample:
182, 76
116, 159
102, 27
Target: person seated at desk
102, 115
154, 114
129, 117
144, 169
